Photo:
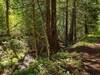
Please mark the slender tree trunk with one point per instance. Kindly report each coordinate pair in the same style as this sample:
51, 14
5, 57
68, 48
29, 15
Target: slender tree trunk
66, 34
85, 26
44, 25
74, 24
72, 34
32, 34
48, 22
33, 31
7, 17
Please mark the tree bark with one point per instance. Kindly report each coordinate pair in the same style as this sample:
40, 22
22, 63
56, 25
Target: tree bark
72, 34
66, 34
34, 47
7, 17
51, 25
85, 26
55, 44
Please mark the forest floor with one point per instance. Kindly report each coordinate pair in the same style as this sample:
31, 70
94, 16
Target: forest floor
90, 49
87, 50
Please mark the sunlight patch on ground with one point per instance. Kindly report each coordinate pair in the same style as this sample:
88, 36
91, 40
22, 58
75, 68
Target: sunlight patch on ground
90, 40
82, 43
94, 35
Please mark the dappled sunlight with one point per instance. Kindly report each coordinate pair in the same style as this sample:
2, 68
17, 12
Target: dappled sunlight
83, 43
93, 39
61, 63
49, 37
12, 19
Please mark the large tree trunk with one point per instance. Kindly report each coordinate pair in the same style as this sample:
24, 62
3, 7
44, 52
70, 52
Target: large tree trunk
7, 17
51, 25
55, 44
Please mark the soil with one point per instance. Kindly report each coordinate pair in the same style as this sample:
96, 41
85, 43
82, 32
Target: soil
91, 58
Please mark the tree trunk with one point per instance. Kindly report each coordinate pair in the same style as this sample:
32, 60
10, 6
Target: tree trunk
32, 34
55, 44
45, 28
72, 34
85, 26
51, 25
66, 34
7, 17
34, 48
48, 24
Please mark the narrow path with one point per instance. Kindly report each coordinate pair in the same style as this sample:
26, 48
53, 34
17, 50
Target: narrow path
91, 58
91, 63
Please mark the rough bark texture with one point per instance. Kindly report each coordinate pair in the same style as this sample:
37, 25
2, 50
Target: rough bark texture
51, 25
54, 45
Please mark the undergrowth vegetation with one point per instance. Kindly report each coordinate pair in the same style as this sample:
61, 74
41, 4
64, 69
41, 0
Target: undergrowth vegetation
12, 51
62, 63
49, 37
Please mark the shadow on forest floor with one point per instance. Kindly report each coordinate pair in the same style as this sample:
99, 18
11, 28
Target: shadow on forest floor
91, 54
90, 49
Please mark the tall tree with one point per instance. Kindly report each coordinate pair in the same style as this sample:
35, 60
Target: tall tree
30, 27
85, 25
72, 34
34, 47
7, 17
46, 49
51, 25
66, 35
55, 44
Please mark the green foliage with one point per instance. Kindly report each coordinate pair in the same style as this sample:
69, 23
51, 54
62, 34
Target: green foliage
61, 55
16, 44
11, 51
64, 66
26, 25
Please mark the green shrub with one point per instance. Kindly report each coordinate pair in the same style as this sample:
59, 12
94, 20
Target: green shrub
61, 55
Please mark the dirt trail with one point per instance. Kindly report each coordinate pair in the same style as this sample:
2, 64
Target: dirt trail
91, 63
91, 60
